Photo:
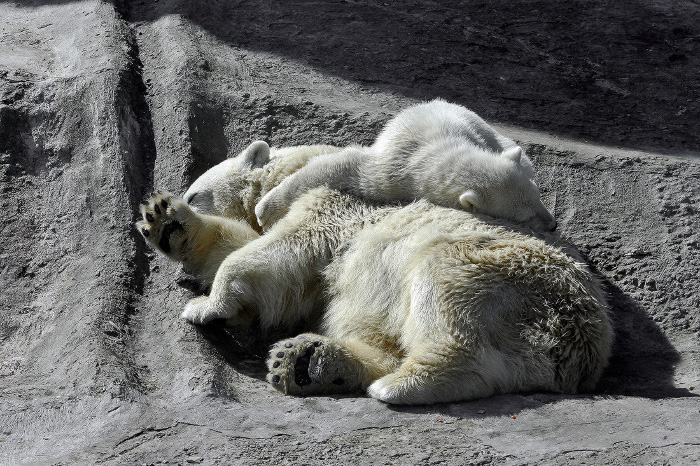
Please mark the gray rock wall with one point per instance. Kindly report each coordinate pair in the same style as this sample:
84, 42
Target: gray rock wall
101, 103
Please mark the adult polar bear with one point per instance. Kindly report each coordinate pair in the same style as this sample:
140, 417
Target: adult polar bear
435, 150
417, 304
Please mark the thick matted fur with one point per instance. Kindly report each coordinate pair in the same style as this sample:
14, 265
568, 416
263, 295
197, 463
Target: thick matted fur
417, 303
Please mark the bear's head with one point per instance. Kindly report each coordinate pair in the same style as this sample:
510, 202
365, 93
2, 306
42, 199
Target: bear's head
226, 189
507, 190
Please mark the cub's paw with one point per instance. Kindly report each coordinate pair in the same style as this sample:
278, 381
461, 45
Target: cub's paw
165, 223
311, 364
270, 209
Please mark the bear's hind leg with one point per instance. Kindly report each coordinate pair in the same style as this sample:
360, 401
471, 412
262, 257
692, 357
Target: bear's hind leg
434, 375
312, 364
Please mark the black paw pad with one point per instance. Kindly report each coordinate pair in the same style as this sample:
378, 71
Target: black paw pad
275, 379
168, 230
301, 368
149, 217
280, 354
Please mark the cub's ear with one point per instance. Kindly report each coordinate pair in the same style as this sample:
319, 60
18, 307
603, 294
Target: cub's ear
470, 200
256, 155
514, 154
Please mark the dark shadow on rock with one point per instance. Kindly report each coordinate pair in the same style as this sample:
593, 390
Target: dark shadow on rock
243, 350
139, 149
643, 359
613, 73
209, 143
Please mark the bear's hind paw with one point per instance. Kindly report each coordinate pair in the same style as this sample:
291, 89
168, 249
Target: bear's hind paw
308, 365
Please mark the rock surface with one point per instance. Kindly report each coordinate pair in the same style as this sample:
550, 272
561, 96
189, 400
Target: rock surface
103, 102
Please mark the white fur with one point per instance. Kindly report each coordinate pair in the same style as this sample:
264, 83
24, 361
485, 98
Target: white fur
437, 151
418, 304
233, 187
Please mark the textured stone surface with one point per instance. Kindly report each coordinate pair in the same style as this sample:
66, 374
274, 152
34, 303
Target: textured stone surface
101, 103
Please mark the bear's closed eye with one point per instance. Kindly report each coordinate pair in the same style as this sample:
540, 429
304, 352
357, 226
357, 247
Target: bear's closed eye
191, 197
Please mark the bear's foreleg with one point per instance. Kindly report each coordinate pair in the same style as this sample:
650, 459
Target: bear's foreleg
276, 278
200, 242
340, 171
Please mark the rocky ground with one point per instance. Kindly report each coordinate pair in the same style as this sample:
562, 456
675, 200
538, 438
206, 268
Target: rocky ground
103, 102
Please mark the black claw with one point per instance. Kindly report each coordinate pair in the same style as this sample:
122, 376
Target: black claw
338, 381
280, 354
288, 345
157, 209
146, 233
309, 351
149, 217
276, 364
275, 379
164, 203
144, 202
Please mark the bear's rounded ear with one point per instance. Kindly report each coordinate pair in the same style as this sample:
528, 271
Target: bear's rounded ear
514, 154
470, 200
256, 155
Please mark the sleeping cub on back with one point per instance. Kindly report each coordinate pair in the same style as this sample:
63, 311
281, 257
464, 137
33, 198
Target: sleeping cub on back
437, 151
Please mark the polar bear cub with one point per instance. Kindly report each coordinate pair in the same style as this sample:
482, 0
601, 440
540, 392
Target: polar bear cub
437, 151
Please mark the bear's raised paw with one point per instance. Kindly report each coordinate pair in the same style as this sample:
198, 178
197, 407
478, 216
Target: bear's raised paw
164, 223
